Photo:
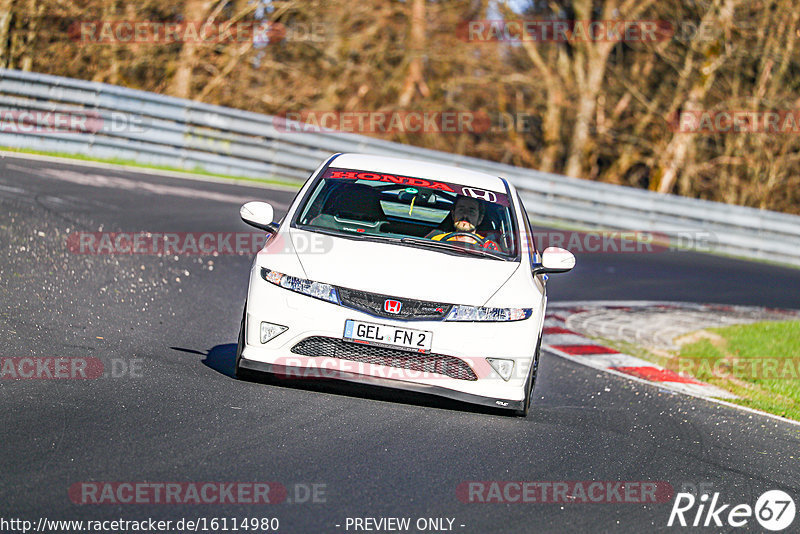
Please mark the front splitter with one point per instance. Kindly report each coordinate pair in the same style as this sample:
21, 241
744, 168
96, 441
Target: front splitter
489, 402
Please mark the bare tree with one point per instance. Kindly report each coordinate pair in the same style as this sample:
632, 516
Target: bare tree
5, 26
595, 109
415, 80
181, 85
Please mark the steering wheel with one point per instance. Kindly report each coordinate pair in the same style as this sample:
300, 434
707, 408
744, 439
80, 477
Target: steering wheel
481, 241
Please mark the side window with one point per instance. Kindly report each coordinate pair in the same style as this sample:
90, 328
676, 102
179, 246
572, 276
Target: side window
529, 241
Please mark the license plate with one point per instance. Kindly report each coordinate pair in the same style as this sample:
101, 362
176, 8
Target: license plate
383, 335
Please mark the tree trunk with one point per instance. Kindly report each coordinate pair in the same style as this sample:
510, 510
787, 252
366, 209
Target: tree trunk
589, 86
6, 13
415, 79
675, 155
181, 84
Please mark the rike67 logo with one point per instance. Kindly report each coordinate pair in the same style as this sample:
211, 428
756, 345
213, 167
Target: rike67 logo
774, 510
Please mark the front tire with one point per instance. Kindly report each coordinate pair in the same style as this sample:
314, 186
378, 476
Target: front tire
531, 382
238, 371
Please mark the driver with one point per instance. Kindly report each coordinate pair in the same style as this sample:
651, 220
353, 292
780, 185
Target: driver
467, 215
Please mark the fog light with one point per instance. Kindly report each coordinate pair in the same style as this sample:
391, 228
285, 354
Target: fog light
269, 331
502, 367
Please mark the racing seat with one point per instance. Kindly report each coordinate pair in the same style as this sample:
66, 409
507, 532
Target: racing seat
355, 205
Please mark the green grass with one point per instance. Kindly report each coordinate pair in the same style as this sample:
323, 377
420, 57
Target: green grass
759, 362
132, 163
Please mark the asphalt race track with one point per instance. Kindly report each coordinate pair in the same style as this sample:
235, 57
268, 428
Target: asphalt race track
168, 327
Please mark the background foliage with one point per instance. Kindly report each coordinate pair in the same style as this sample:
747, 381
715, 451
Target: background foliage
596, 110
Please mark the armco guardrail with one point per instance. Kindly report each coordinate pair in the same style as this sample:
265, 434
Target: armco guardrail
192, 135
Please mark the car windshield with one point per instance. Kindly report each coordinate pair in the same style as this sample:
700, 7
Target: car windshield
439, 215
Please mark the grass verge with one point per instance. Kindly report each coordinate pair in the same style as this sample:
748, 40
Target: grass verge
758, 362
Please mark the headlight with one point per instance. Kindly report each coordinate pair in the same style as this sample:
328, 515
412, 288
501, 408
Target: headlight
317, 290
479, 313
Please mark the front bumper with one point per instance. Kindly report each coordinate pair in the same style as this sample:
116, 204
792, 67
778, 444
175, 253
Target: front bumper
307, 317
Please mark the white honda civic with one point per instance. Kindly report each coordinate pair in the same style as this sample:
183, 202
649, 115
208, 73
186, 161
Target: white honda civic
405, 274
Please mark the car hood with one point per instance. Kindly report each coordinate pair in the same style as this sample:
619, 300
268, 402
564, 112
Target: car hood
402, 271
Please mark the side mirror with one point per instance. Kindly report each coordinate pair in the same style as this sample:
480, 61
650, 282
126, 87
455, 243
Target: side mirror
259, 215
555, 260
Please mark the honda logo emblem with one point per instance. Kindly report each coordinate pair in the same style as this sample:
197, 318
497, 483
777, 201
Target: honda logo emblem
488, 196
392, 306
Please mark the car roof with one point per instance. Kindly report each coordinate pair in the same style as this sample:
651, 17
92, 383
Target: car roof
419, 169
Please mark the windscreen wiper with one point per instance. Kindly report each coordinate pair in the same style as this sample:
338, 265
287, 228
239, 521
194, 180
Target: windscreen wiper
348, 235
450, 246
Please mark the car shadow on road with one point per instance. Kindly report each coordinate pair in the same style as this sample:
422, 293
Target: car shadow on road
222, 358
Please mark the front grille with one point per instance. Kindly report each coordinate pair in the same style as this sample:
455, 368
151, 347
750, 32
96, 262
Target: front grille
328, 347
411, 310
